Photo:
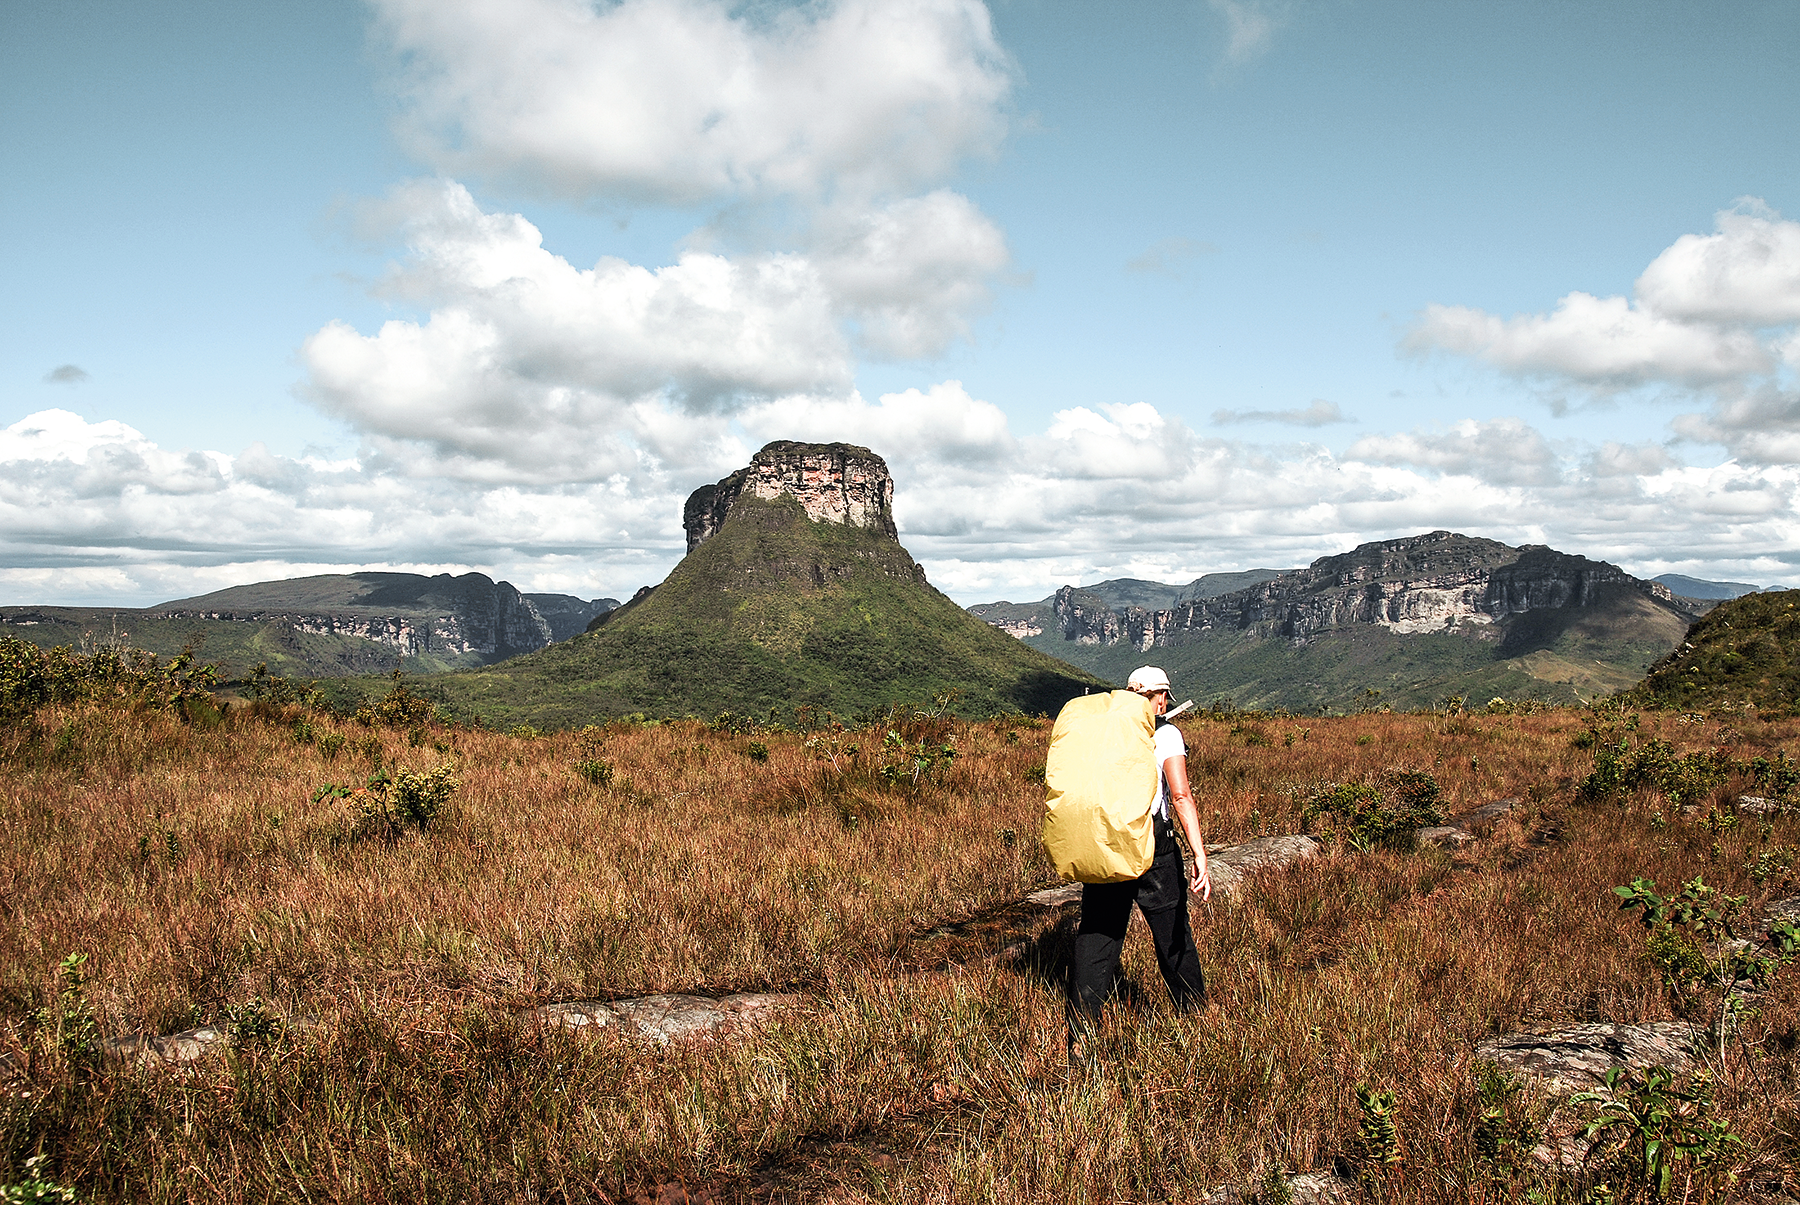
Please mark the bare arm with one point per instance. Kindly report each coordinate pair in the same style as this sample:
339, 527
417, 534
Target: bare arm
1181, 801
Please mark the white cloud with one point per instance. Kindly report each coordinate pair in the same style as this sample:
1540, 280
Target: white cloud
530, 369
684, 101
1318, 413
97, 512
1713, 315
911, 274
1503, 451
1602, 342
1746, 273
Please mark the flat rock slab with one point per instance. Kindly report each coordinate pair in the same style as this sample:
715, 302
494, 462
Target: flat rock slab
664, 1019
1787, 910
1307, 1188
1229, 864
1445, 836
1756, 805
166, 1049
1056, 897
1487, 813
1574, 1057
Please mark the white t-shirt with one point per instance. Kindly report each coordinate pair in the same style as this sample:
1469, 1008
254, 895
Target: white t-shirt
1168, 744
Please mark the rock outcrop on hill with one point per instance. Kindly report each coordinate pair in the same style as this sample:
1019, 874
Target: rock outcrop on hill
452, 616
1406, 622
1431, 583
833, 483
796, 594
328, 626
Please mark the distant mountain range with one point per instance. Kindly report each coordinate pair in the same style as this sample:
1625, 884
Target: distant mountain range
330, 625
1695, 587
1404, 622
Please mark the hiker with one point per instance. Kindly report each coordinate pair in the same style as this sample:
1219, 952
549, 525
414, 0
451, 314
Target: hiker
1160, 892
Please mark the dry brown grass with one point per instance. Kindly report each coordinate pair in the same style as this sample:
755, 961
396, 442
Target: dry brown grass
193, 868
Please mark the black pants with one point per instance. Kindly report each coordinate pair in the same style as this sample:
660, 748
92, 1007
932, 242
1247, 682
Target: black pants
1161, 894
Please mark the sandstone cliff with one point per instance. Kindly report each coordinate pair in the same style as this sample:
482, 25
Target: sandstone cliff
469, 618
1436, 583
833, 483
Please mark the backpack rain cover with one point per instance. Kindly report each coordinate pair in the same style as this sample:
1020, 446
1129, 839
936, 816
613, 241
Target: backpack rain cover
1101, 772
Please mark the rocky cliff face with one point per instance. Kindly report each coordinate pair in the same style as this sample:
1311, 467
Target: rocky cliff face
1441, 582
444, 615
834, 483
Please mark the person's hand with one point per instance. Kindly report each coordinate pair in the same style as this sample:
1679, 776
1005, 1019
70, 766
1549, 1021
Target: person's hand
1202, 883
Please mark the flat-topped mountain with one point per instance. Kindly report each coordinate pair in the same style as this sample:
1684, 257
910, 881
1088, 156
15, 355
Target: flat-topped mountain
795, 592
1415, 619
331, 625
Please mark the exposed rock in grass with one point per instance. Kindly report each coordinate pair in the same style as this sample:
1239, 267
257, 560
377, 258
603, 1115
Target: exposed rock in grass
1445, 836
1230, 863
1056, 897
1571, 1058
1307, 1188
163, 1050
1487, 813
664, 1019
1756, 805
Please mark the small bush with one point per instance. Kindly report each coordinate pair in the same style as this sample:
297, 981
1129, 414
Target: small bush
594, 770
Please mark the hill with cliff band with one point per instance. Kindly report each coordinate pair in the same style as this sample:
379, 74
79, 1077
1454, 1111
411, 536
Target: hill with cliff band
1406, 623
329, 625
795, 591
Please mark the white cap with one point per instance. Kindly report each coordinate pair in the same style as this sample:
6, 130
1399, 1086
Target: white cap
1147, 679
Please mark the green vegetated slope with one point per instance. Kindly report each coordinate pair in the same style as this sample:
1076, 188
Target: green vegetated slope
1744, 651
236, 647
1561, 655
774, 611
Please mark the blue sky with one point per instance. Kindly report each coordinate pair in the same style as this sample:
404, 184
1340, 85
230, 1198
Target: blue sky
1150, 290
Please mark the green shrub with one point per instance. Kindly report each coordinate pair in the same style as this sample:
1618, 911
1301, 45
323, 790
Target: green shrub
594, 770
1380, 813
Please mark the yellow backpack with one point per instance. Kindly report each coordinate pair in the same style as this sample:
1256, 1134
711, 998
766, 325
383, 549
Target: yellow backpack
1101, 772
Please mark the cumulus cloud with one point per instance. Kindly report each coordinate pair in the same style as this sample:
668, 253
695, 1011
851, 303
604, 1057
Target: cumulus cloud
1746, 273
1318, 413
1602, 342
531, 369
1710, 313
1501, 452
683, 101
66, 374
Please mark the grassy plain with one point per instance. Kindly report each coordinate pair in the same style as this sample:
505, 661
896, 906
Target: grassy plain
374, 978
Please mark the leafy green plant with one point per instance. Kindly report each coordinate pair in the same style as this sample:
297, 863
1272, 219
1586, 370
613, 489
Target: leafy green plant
1716, 957
1380, 813
1657, 1126
69, 1023
1505, 1130
906, 762
1377, 1146
251, 1024
388, 803
34, 1189
758, 751
594, 770
1621, 766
